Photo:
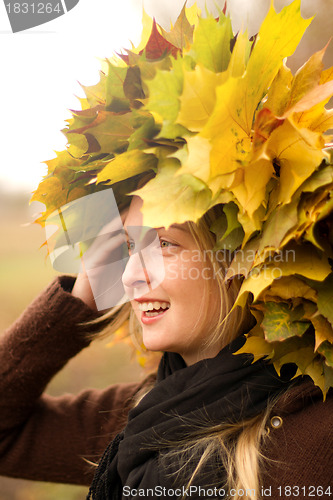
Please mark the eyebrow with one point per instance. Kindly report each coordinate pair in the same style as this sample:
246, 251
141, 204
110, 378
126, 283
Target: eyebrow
179, 226
172, 226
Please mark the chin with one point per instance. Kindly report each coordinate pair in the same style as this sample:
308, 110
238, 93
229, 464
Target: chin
154, 343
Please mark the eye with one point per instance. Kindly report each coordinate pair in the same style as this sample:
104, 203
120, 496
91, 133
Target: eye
166, 244
130, 245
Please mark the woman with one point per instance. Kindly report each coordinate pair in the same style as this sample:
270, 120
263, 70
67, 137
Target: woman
210, 423
210, 410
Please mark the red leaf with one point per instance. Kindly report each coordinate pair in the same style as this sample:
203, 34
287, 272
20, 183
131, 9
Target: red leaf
264, 125
157, 46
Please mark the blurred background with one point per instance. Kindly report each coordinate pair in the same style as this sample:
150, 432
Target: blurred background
40, 70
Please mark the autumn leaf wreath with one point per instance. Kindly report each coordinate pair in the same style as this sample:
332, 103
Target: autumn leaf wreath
217, 118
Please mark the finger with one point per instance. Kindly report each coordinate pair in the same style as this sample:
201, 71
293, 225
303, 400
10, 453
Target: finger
104, 250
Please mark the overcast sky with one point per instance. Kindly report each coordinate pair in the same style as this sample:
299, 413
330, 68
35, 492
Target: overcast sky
41, 67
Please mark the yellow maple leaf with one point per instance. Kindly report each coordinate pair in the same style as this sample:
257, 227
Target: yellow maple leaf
258, 347
252, 191
62, 160
181, 34
306, 79
51, 192
299, 260
230, 125
288, 288
239, 55
147, 24
315, 116
278, 37
231, 144
298, 152
78, 145
251, 224
126, 165
190, 197
198, 97
323, 330
319, 94
318, 123
279, 91
289, 94
195, 160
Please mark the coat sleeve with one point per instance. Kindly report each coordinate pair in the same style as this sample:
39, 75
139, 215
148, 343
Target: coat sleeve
53, 438
298, 451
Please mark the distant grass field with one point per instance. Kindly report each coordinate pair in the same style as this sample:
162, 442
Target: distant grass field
24, 272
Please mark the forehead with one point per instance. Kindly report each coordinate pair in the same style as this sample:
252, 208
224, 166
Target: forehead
135, 218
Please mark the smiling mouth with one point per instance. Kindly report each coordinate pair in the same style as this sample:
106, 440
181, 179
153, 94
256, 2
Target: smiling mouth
151, 314
153, 309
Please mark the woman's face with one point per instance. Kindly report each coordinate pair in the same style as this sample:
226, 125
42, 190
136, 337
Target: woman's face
180, 313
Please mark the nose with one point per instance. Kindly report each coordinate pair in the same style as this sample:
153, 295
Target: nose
135, 276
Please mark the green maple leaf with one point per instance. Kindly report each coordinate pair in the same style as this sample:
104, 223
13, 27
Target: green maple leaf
211, 44
228, 230
96, 93
325, 298
116, 100
280, 322
111, 131
82, 118
280, 222
164, 92
144, 132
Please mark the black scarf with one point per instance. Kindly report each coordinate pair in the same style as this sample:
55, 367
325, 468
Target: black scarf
226, 388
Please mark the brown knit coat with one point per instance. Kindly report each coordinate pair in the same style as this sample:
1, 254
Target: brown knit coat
48, 439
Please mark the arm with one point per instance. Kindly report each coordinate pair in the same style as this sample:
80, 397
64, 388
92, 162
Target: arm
47, 438
299, 452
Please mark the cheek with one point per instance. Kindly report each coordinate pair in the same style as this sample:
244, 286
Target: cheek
182, 270
172, 270
136, 310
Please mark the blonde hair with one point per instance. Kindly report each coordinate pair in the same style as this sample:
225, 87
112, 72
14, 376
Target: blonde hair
232, 320
237, 445
234, 446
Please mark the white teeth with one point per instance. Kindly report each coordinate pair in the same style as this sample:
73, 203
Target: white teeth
150, 306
